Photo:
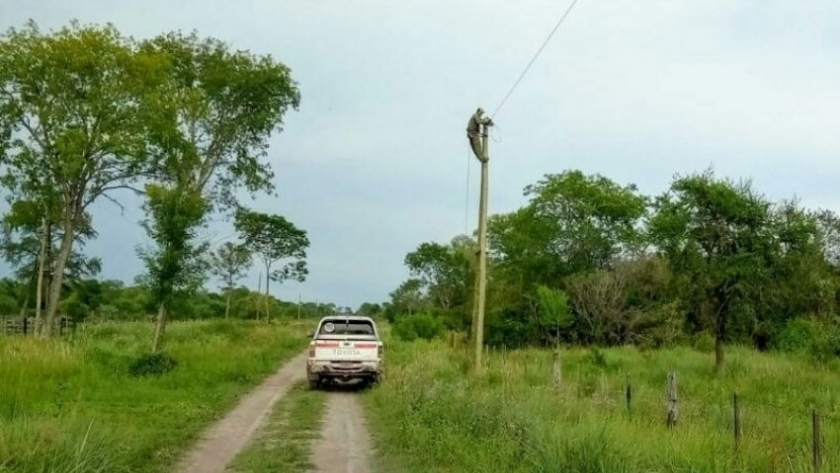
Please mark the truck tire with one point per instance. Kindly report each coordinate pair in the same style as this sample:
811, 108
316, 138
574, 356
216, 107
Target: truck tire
314, 384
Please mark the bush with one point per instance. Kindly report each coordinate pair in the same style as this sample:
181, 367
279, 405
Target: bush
412, 327
819, 339
704, 343
153, 364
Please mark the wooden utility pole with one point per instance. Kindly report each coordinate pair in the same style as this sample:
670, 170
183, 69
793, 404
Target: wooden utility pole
481, 277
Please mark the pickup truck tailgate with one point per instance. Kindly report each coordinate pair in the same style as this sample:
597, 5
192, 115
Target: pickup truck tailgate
346, 350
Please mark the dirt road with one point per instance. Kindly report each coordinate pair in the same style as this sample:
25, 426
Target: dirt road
344, 446
220, 444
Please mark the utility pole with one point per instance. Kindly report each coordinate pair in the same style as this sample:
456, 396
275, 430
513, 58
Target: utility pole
481, 277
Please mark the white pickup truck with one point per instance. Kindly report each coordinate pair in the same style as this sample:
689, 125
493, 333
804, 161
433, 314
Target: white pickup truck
344, 347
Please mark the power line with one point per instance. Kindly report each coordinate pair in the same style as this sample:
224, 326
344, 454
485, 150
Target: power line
550, 35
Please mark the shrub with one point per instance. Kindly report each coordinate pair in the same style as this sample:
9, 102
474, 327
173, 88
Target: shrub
704, 342
412, 327
153, 364
819, 339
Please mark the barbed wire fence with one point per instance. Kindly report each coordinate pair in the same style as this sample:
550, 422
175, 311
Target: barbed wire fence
741, 415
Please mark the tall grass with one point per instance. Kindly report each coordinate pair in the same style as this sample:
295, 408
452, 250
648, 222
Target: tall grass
73, 406
432, 416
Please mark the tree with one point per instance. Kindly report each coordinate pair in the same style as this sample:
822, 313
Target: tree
407, 298
28, 244
71, 130
209, 125
554, 311
585, 222
443, 271
230, 263
717, 237
369, 309
175, 264
272, 238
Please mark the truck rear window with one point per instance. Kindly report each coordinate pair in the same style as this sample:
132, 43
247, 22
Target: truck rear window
346, 327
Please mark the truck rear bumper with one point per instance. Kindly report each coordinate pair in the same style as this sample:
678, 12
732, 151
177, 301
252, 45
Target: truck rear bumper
342, 370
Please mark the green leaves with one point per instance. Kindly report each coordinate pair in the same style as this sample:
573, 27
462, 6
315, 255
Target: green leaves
442, 270
273, 238
230, 262
215, 110
175, 263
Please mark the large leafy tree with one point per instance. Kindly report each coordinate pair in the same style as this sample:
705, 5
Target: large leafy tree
230, 262
273, 239
71, 130
718, 237
443, 271
28, 244
210, 121
573, 223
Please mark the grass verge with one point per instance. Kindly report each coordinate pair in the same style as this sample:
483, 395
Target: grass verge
283, 444
76, 405
432, 416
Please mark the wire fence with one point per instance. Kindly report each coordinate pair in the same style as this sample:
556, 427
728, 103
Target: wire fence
793, 430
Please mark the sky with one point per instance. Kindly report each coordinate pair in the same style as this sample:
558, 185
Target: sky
375, 161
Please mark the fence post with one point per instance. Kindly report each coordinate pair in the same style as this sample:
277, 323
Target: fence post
737, 413
556, 373
25, 325
628, 395
816, 436
672, 399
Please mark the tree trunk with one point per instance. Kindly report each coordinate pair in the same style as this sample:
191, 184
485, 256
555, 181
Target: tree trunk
160, 328
258, 292
267, 307
227, 304
25, 302
58, 277
42, 258
718, 353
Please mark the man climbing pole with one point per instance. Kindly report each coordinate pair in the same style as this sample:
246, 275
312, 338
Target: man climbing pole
476, 131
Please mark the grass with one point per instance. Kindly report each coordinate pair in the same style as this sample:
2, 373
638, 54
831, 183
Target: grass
431, 416
283, 444
73, 405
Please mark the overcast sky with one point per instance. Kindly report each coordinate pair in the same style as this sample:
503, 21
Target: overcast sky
375, 160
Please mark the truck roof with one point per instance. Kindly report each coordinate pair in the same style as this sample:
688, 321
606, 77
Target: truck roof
347, 317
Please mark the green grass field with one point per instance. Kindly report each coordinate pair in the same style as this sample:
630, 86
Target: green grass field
73, 406
430, 416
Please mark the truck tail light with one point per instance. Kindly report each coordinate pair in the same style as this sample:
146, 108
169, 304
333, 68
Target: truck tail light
312, 350
379, 350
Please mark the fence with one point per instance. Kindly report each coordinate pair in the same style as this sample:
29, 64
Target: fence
804, 432
26, 325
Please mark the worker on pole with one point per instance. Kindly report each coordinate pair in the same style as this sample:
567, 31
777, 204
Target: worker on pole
476, 132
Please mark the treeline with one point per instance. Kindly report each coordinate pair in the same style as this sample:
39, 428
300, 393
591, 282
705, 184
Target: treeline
108, 300
591, 261
182, 121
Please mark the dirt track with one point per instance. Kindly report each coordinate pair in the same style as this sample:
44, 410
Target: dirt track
220, 444
344, 446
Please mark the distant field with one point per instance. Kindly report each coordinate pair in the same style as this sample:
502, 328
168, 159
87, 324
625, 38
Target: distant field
430, 417
73, 406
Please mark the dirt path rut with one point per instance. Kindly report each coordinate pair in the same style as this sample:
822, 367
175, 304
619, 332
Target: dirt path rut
220, 444
344, 446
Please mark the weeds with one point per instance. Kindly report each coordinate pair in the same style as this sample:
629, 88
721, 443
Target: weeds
87, 405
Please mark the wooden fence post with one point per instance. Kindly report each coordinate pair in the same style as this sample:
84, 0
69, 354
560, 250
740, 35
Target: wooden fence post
556, 373
628, 396
737, 420
815, 419
672, 400
25, 325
